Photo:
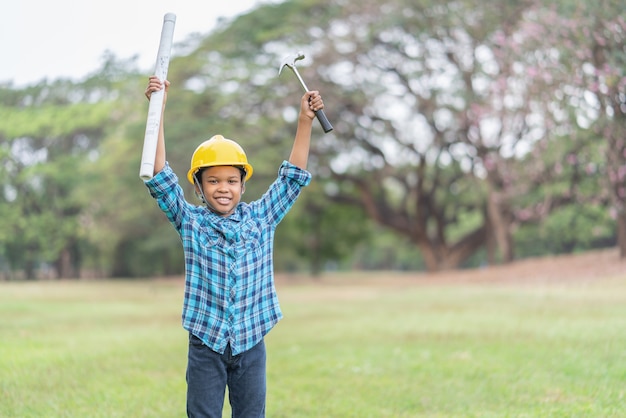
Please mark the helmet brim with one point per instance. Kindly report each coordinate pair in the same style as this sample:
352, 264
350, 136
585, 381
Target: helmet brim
246, 167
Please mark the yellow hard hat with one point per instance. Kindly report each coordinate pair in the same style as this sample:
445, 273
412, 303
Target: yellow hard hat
218, 151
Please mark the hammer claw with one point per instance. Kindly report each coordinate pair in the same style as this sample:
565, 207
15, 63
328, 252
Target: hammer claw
290, 61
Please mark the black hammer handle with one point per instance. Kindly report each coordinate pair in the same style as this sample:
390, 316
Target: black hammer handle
321, 116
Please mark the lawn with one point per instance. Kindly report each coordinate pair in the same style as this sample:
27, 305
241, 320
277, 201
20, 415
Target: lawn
350, 345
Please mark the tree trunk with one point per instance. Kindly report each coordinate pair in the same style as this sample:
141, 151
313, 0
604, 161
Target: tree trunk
64, 265
440, 258
500, 226
491, 245
429, 256
67, 265
120, 267
621, 234
30, 270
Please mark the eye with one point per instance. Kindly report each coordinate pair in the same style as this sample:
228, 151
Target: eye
212, 181
233, 181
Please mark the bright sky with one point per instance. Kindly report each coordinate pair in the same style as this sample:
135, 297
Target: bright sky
67, 38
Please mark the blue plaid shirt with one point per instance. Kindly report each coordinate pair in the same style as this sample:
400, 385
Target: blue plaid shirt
229, 285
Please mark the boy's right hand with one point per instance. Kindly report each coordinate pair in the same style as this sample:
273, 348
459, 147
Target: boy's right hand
154, 84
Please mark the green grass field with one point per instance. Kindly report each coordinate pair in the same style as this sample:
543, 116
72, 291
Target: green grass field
346, 348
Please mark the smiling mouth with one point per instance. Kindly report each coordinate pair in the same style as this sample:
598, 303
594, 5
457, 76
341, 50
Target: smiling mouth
222, 200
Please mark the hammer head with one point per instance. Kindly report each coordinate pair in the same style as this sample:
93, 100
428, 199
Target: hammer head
290, 61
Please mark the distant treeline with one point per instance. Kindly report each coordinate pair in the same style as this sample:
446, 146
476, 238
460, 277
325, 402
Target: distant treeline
465, 135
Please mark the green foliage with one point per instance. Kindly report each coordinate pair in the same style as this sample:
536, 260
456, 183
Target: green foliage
47, 146
50, 134
319, 233
571, 229
53, 121
384, 250
271, 23
411, 87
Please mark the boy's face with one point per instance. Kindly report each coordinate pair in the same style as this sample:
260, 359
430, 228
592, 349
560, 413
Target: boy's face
222, 187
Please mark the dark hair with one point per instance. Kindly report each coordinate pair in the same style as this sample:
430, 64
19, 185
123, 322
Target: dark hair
198, 173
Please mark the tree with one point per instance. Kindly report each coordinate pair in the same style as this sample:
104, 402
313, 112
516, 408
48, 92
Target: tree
457, 125
319, 231
45, 145
579, 50
435, 105
433, 88
49, 132
607, 82
424, 135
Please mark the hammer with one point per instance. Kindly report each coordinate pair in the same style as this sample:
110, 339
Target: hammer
290, 61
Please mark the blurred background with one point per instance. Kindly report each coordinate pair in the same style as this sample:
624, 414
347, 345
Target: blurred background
467, 133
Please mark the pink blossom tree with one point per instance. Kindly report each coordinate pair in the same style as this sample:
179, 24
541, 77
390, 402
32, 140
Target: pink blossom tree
584, 57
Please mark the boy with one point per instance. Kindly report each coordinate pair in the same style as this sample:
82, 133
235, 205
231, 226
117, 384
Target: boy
230, 301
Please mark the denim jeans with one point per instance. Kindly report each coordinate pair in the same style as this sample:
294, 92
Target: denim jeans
209, 373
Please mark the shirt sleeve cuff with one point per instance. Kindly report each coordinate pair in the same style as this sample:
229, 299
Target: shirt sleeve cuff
295, 173
162, 182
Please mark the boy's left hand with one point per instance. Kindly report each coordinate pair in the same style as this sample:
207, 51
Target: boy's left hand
310, 103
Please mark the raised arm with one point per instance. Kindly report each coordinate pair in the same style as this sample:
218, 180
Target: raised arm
310, 102
154, 84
